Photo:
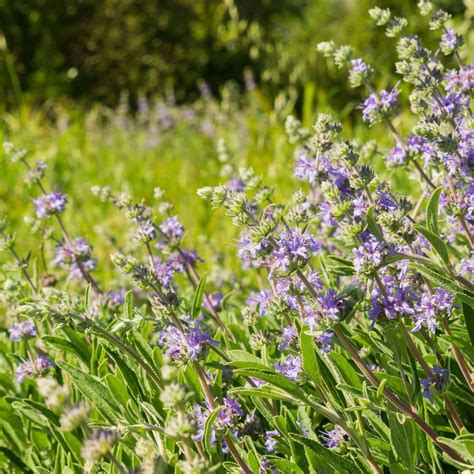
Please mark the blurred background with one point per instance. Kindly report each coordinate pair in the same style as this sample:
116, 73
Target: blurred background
94, 51
137, 94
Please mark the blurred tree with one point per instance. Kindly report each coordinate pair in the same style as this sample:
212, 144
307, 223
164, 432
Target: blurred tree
93, 50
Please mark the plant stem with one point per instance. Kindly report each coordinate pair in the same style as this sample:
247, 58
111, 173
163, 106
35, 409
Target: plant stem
465, 369
391, 396
212, 405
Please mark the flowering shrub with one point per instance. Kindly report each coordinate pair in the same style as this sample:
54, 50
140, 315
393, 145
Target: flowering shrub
346, 345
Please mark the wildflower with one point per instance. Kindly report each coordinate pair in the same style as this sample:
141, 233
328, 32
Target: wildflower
368, 257
145, 232
76, 256
330, 305
378, 106
325, 339
289, 335
359, 72
450, 41
230, 411
97, 445
294, 247
27, 369
172, 228
173, 395
50, 204
114, 298
432, 306
334, 437
397, 155
437, 382
181, 426
215, 301
289, 367
270, 441
190, 344
74, 417
24, 329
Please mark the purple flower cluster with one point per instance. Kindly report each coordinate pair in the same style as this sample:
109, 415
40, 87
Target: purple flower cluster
50, 204
431, 307
369, 256
294, 246
289, 367
437, 382
29, 368
114, 298
230, 412
335, 437
270, 441
378, 106
76, 256
172, 228
189, 344
22, 330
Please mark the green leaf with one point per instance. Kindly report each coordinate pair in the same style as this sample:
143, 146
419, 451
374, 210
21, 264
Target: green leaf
278, 380
372, 224
64, 346
197, 300
468, 312
432, 211
438, 245
94, 390
310, 364
448, 284
128, 305
8, 453
404, 442
336, 461
462, 445
207, 436
348, 373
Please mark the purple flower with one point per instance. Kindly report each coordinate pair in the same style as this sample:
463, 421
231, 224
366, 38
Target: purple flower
306, 168
75, 255
334, 437
172, 228
369, 256
397, 155
215, 301
325, 340
360, 206
450, 41
359, 66
49, 204
114, 298
260, 299
430, 307
289, 335
289, 367
270, 441
437, 382
29, 368
22, 330
294, 245
190, 344
460, 80
330, 305
376, 106
230, 412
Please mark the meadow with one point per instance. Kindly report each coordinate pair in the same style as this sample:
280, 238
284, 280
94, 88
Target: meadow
246, 282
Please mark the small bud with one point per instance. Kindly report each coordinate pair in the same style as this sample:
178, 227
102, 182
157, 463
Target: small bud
74, 417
